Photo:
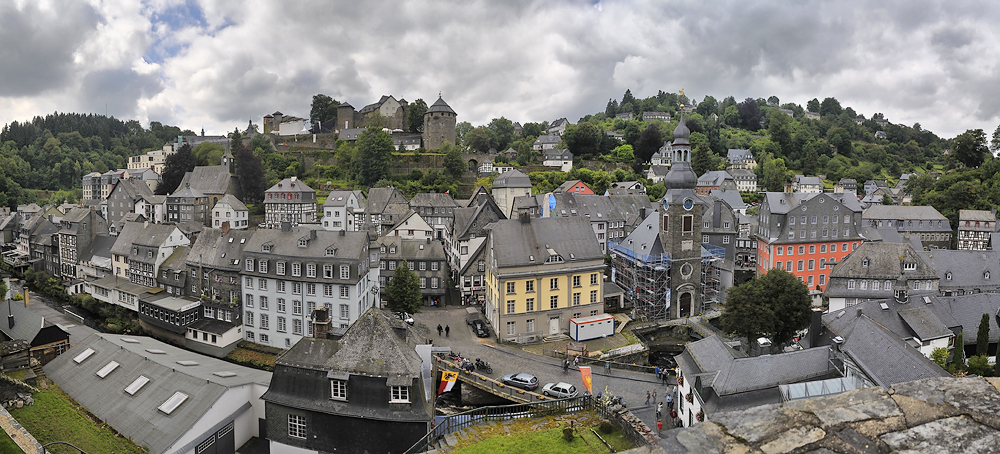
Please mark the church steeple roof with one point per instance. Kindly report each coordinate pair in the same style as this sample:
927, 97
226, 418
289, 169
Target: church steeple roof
682, 134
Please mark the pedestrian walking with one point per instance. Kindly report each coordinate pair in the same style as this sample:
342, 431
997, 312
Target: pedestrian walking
659, 410
647, 398
565, 366
654, 396
607, 366
440, 329
447, 331
656, 370
576, 361
663, 377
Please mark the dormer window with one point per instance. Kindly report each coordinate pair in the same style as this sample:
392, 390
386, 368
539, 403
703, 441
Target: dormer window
986, 275
266, 247
554, 259
400, 395
864, 262
948, 275
303, 242
338, 389
909, 266
331, 252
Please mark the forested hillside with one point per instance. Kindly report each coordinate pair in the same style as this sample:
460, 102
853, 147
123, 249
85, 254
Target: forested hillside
53, 152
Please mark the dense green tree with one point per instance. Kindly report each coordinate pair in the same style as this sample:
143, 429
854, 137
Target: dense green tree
583, 139
649, 142
623, 153
250, 173
701, 159
461, 129
940, 356
504, 131
731, 116
323, 109
772, 175
983, 336
775, 305
208, 153
749, 114
708, 106
886, 199
979, 365
813, 105
780, 129
374, 154
773, 101
481, 139
174, 168
995, 143
970, 147
402, 293
627, 98
531, 130
611, 109
454, 164
830, 106
415, 116
957, 355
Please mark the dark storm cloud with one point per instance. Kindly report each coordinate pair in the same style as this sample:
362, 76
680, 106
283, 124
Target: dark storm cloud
117, 90
38, 44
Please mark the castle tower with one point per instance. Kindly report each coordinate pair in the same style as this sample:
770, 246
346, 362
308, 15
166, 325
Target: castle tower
680, 228
345, 117
439, 125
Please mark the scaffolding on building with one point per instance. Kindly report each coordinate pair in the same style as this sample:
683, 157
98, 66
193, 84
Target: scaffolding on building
645, 279
711, 275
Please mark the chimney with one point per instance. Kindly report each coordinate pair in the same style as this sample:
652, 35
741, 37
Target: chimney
525, 218
642, 213
312, 234
321, 322
286, 226
343, 233
225, 227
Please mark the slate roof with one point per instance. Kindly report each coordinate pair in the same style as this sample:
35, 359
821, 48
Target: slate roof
340, 198
967, 269
512, 179
433, 199
217, 250
738, 155
732, 198
27, 323
595, 207
905, 212
136, 416
349, 245
142, 234
546, 139
474, 219
557, 154
923, 322
233, 202
516, 242
380, 198
842, 322
769, 371
440, 106
100, 248
645, 238
714, 178
976, 215
885, 262
290, 185
885, 358
411, 250
372, 346
211, 180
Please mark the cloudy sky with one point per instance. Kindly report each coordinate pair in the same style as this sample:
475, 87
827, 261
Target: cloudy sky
216, 64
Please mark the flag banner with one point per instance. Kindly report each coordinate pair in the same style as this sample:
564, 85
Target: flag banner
585, 376
447, 381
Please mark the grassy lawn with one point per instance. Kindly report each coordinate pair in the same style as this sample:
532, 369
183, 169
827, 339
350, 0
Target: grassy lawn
7, 446
538, 435
55, 417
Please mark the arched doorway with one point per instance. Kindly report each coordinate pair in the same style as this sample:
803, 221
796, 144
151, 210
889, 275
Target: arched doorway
473, 166
685, 304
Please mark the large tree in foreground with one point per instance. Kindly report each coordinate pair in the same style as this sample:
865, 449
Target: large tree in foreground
250, 173
176, 165
970, 147
374, 153
775, 305
402, 294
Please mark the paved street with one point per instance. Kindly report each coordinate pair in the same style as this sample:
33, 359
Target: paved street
631, 386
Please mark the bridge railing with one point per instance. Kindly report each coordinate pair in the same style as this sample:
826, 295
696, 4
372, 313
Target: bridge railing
489, 384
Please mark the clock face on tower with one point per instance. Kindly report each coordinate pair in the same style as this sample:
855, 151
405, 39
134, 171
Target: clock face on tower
686, 270
688, 204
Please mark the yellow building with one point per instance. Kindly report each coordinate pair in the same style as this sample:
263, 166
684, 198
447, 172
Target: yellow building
540, 273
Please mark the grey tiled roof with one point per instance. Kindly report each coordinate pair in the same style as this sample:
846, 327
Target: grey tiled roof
732, 198
380, 198
924, 323
512, 179
884, 261
372, 346
769, 371
570, 237
136, 416
714, 177
966, 270
233, 202
290, 185
885, 358
976, 215
27, 323
211, 180
349, 245
142, 234
903, 212
432, 199
645, 239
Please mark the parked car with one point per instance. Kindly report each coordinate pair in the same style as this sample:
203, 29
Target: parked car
520, 380
405, 317
479, 327
561, 390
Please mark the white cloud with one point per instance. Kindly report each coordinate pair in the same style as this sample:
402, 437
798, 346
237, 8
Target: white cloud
216, 64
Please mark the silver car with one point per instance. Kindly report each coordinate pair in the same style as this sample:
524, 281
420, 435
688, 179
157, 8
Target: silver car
561, 390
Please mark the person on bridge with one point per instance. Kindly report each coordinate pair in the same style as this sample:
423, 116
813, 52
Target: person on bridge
439, 330
647, 398
447, 331
659, 411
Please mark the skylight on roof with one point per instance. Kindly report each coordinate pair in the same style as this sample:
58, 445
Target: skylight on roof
156, 351
185, 362
130, 340
173, 402
137, 385
83, 355
230, 240
224, 374
243, 240
107, 369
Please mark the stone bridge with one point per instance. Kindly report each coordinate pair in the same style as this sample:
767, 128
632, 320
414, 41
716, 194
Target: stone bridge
487, 384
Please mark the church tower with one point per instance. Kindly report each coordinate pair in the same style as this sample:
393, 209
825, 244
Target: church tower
680, 228
228, 162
